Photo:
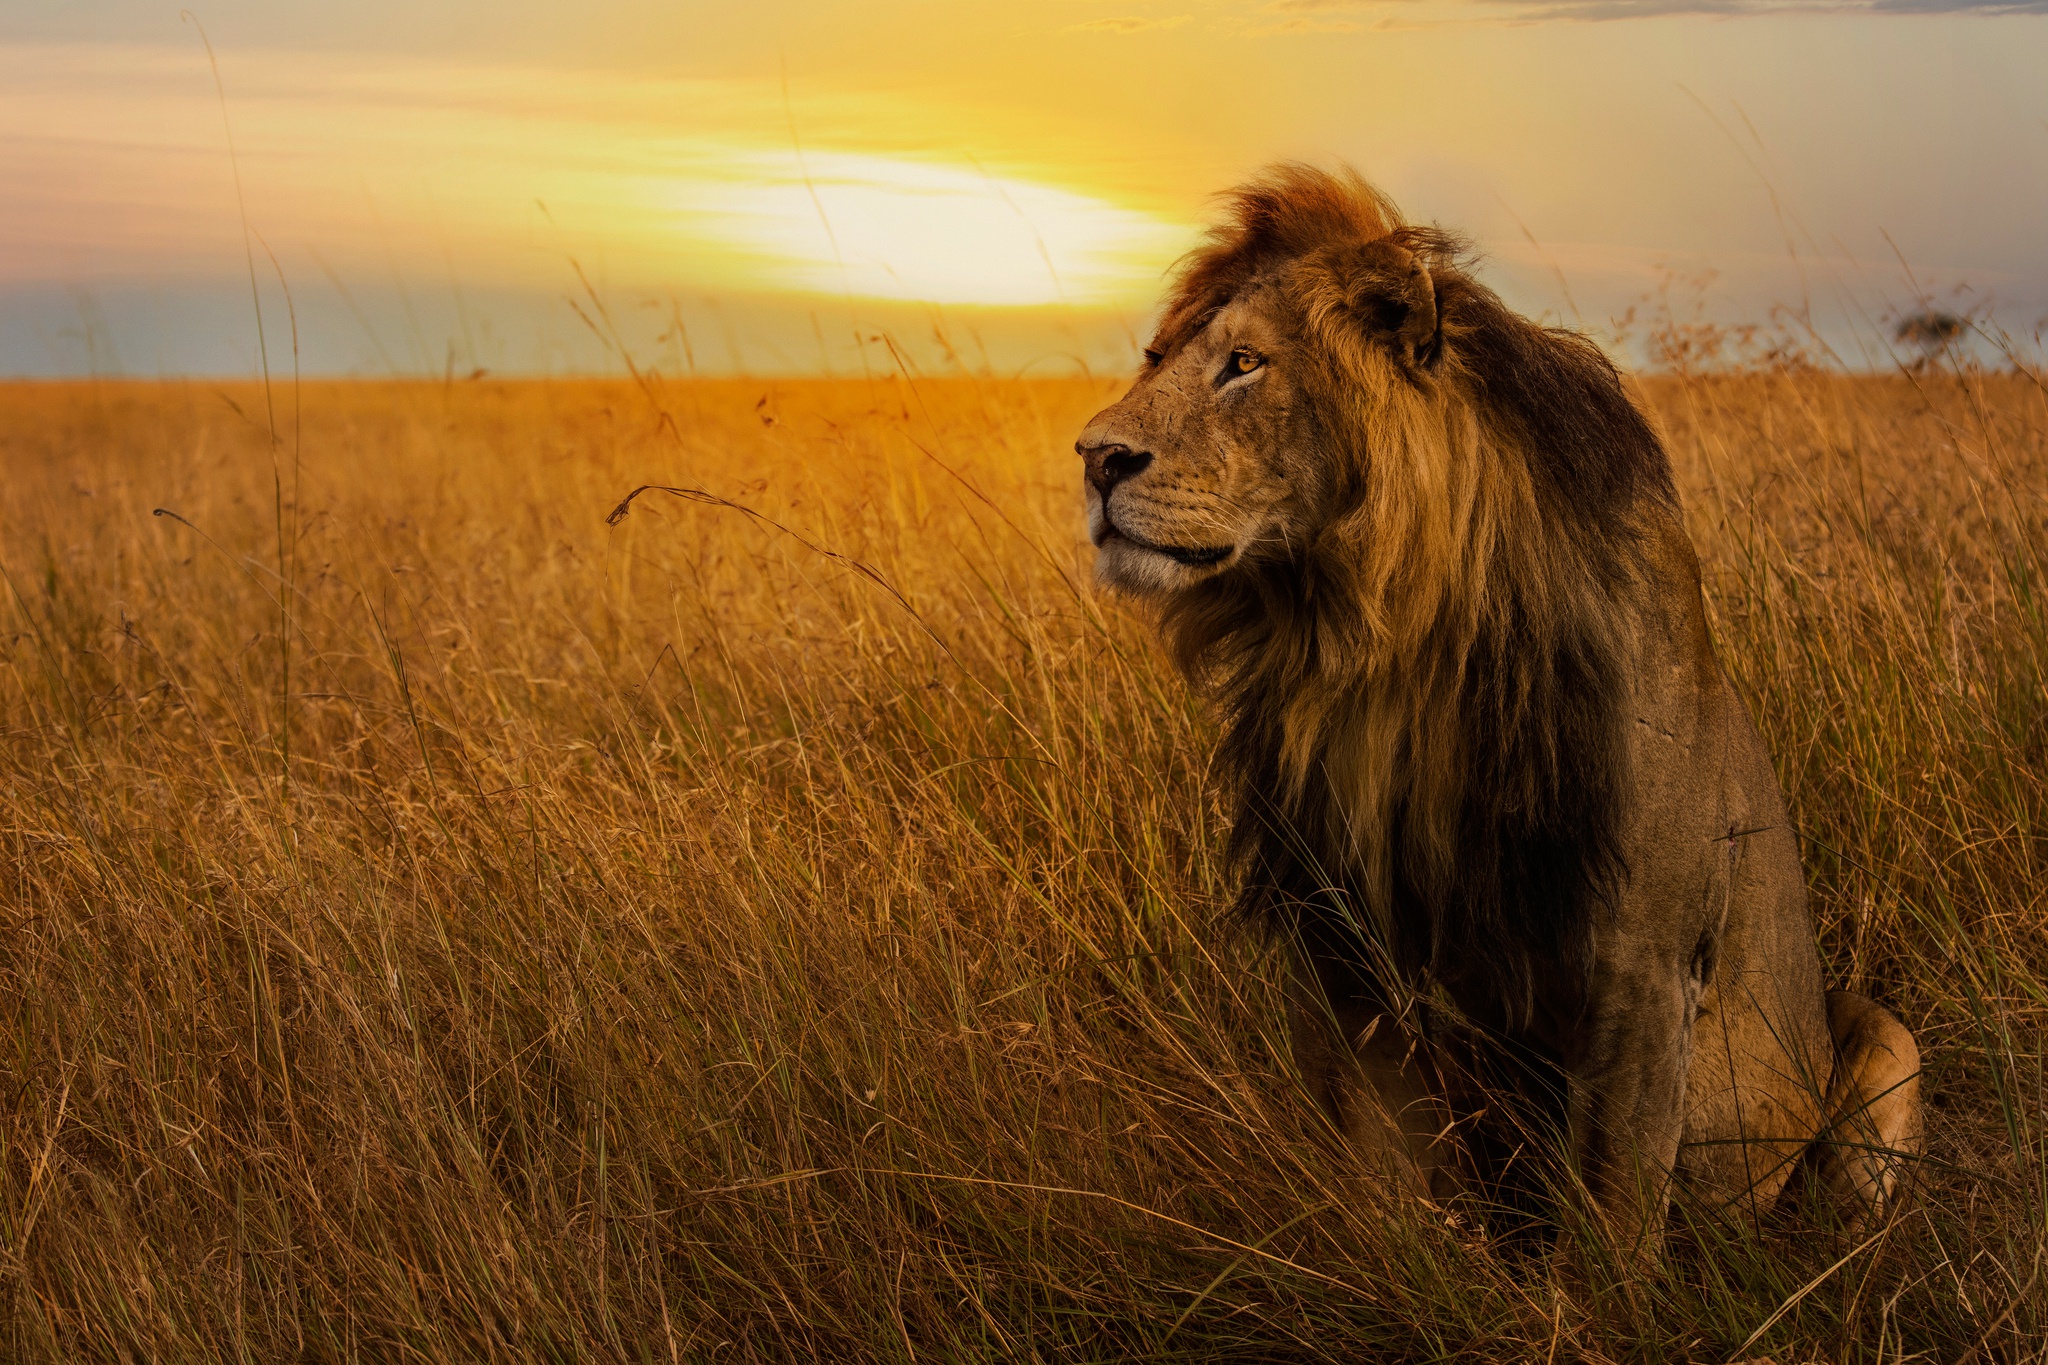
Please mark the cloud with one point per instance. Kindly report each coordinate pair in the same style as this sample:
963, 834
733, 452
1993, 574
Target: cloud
116, 169
1317, 16
1590, 11
1318, 6
1128, 24
1959, 7
1595, 10
1308, 26
1322, 16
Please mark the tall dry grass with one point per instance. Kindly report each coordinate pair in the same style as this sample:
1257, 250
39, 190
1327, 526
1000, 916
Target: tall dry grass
436, 926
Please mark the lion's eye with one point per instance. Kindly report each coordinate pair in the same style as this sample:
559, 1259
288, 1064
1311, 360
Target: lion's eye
1153, 357
1242, 362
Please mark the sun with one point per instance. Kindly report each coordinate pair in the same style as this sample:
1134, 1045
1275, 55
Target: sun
872, 226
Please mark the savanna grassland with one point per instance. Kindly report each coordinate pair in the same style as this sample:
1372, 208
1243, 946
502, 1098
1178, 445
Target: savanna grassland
788, 924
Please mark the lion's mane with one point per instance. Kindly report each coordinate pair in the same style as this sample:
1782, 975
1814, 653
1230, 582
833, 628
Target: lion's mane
1423, 702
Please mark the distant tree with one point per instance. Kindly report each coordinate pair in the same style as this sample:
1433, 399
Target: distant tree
1931, 333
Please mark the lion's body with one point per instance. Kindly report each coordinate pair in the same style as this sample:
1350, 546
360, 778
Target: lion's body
1430, 557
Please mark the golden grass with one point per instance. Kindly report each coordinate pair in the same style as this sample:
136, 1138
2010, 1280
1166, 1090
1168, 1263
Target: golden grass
436, 926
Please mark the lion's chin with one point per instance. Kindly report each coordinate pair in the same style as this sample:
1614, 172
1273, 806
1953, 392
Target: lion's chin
1145, 571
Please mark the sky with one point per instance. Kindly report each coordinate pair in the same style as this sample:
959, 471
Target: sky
805, 186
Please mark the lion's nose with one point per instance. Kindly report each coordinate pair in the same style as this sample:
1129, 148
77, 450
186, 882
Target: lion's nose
1111, 463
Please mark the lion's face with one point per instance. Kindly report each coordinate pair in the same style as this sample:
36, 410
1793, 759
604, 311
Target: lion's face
1211, 459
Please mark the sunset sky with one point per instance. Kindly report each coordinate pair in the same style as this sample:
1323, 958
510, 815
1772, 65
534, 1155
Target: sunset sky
788, 181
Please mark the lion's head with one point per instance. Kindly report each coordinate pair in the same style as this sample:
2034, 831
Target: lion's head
1231, 448
1330, 392
1391, 519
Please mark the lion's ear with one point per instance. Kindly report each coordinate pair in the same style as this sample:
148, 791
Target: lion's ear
1387, 291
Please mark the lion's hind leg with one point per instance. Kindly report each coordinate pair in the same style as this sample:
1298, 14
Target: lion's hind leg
1873, 1120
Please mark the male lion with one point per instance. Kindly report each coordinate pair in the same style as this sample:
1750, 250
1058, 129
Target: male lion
1430, 555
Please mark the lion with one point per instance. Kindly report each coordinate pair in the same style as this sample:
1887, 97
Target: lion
1428, 557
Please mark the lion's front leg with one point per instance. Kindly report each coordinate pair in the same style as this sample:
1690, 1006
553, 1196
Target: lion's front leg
1376, 1081
1627, 1083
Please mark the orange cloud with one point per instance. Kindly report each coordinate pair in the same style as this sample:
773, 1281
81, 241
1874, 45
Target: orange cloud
1128, 24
